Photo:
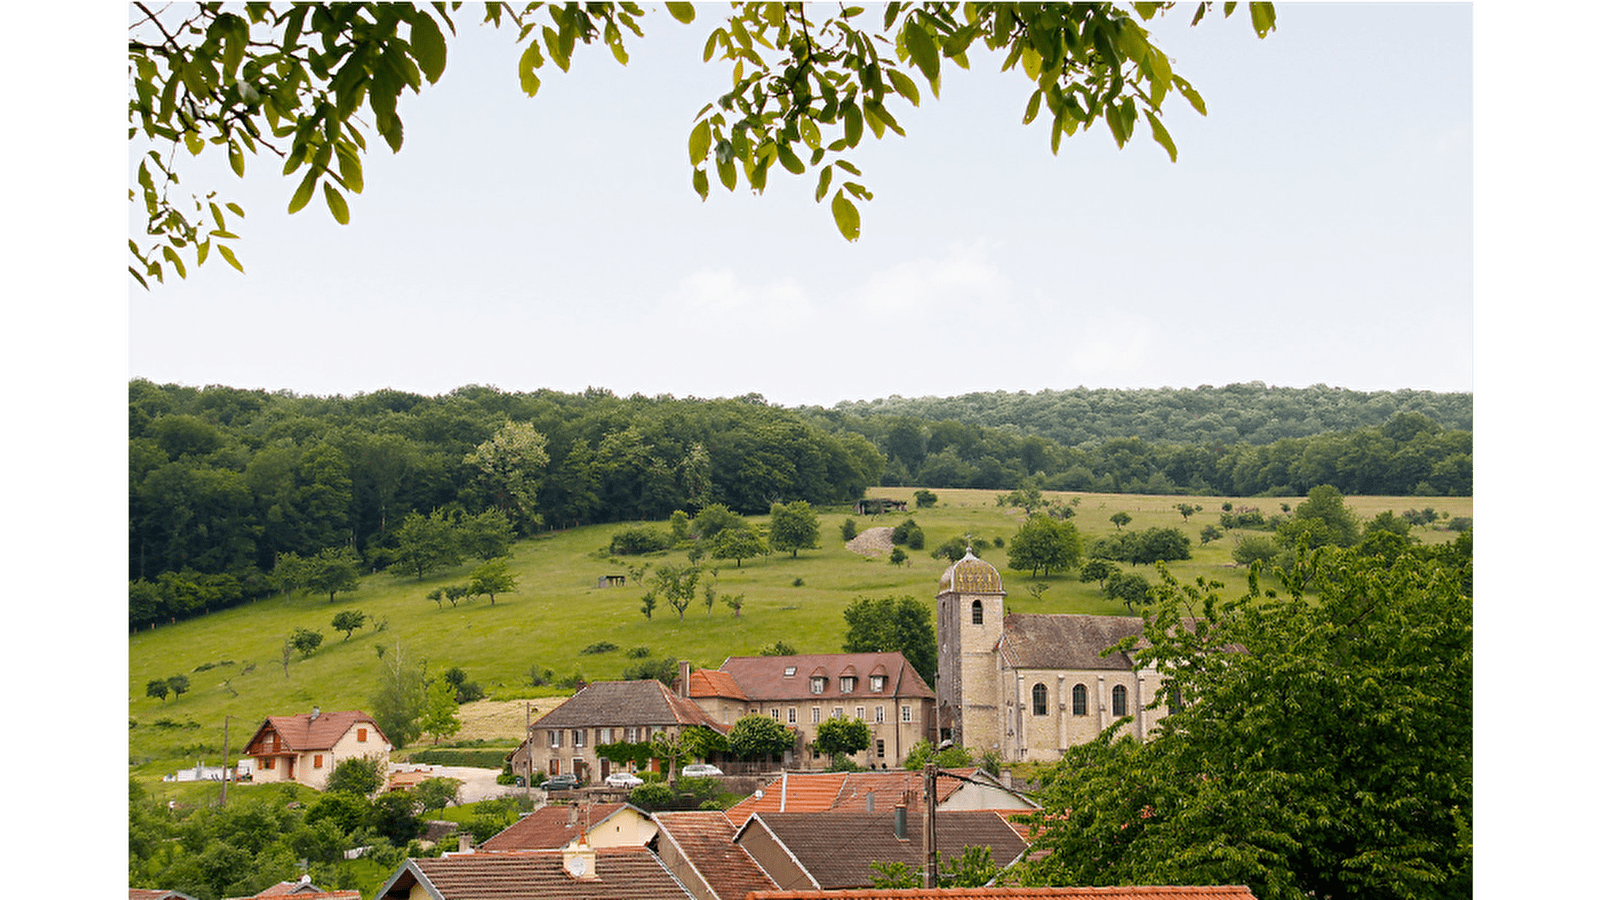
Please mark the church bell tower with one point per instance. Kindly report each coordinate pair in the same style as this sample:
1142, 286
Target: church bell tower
971, 612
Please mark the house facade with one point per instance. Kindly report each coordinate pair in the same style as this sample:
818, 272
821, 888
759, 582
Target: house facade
1030, 686
563, 741
802, 691
304, 748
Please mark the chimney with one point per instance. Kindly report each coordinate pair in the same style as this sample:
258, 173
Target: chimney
572, 816
683, 678
1005, 778
315, 711
900, 822
869, 801
464, 842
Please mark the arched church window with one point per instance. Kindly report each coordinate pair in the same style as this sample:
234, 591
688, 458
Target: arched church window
1041, 699
1119, 701
1080, 700
977, 612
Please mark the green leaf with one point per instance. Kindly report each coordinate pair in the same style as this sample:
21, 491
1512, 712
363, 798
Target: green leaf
236, 158
789, 161
302, 194
699, 142
904, 86
193, 142
924, 52
227, 254
683, 12
852, 124
702, 185
202, 250
1190, 94
846, 216
349, 167
1032, 111
336, 204
824, 178
177, 261
726, 173
531, 59
810, 133
1161, 135
427, 43
1263, 18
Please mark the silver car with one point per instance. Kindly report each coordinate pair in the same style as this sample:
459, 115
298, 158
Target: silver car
624, 780
700, 770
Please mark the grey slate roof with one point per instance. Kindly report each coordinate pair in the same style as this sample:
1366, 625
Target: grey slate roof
1067, 641
620, 704
838, 848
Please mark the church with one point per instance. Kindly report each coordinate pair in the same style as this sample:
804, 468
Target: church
1030, 686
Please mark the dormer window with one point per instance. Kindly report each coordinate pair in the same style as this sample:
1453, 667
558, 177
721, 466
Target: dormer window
817, 684
876, 682
847, 684
788, 671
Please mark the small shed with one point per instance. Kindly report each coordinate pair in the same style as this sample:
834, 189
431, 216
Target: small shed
607, 581
873, 506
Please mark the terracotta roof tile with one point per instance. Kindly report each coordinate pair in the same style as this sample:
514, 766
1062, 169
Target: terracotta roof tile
624, 703
818, 791
1156, 892
621, 873
547, 828
761, 677
791, 792
838, 848
301, 733
156, 894
714, 683
705, 839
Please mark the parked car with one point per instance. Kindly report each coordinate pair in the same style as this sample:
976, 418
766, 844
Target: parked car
624, 780
566, 782
700, 770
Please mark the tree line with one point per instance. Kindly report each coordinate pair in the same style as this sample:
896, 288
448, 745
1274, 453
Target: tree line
224, 483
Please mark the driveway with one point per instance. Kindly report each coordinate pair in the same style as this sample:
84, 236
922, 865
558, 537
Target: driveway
476, 784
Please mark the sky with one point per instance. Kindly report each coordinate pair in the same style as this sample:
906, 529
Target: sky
1316, 228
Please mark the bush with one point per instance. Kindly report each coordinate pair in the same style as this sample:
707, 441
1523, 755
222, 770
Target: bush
848, 529
636, 539
361, 775
663, 670
925, 498
638, 652
1255, 547
487, 758
1460, 523
599, 647
651, 796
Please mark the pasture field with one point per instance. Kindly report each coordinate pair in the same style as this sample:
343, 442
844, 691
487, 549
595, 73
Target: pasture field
233, 657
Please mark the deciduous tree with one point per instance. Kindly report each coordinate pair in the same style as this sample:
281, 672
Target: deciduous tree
893, 624
1044, 542
510, 465
807, 85
306, 641
360, 775
756, 735
401, 694
493, 577
441, 715
842, 737
424, 544
738, 544
348, 620
793, 527
1332, 759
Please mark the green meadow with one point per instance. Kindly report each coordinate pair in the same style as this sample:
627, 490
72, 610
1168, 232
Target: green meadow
233, 658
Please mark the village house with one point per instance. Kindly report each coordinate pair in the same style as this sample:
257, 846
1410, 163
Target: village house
1141, 892
563, 825
305, 748
1030, 686
605, 712
966, 788
697, 847
801, 691
837, 849
578, 872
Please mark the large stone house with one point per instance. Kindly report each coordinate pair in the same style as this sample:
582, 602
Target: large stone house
801, 691
605, 712
305, 748
1030, 686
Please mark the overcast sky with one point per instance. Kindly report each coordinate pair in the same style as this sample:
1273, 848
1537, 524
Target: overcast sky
1317, 227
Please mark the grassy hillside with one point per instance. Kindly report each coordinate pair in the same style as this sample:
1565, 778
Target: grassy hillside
558, 610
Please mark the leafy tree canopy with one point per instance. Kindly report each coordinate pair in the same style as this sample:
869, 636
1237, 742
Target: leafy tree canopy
1333, 758
309, 83
757, 735
890, 624
362, 775
794, 527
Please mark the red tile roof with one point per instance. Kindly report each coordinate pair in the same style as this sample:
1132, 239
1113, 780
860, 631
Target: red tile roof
762, 679
620, 873
714, 683
548, 828
624, 703
818, 791
1153, 892
156, 894
705, 840
301, 890
301, 733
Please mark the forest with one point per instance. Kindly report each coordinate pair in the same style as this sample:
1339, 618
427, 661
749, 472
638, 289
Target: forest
224, 482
